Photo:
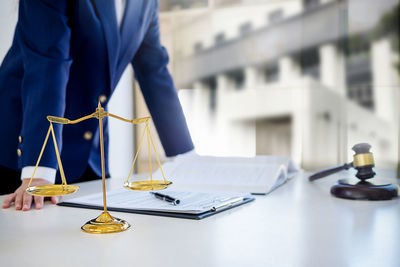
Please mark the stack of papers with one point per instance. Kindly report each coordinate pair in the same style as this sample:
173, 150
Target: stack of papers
190, 202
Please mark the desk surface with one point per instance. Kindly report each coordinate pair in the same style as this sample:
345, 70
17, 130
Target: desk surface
299, 224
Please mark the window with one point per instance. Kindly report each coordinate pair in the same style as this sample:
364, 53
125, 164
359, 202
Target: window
211, 83
219, 38
271, 72
362, 94
170, 5
310, 4
309, 62
198, 46
245, 28
237, 77
359, 72
226, 3
359, 87
275, 16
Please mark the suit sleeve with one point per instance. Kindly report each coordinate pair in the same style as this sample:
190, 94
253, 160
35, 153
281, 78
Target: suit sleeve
150, 66
44, 40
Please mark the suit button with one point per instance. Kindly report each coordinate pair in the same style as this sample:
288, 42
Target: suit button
20, 139
87, 135
102, 99
19, 152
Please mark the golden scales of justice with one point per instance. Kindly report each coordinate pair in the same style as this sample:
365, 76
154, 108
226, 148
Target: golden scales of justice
104, 223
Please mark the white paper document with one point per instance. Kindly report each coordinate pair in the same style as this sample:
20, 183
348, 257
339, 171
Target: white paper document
225, 179
260, 174
190, 202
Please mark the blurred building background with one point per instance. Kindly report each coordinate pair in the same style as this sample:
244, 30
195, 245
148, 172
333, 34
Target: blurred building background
304, 78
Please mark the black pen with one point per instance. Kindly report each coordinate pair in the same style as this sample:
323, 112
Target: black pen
167, 198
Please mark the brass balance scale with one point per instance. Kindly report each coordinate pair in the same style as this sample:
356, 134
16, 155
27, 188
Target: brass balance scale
104, 223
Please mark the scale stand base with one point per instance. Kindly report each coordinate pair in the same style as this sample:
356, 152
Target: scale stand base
105, 224
362, 190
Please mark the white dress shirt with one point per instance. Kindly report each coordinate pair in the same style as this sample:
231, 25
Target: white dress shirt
47, 173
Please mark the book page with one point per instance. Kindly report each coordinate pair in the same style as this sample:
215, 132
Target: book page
259, 174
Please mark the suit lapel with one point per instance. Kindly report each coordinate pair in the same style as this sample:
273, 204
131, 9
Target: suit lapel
105, 10
133, 20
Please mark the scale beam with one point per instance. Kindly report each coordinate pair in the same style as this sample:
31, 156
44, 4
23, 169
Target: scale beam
104, 223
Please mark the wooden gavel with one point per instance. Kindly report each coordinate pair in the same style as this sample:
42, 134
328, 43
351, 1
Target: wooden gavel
363, 162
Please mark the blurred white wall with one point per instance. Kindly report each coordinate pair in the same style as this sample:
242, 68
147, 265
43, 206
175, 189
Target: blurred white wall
121, 103
121, 146
8, 19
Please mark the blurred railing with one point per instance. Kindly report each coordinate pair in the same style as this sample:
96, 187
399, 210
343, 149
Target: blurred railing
326, 23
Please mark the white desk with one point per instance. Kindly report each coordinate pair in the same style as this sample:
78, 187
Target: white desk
299, 224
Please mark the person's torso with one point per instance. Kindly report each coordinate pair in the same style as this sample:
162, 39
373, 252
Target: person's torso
100, 52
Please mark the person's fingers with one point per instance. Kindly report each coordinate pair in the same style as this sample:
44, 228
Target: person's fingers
27, 201
38, 202
18, 199
55, 199
8, 200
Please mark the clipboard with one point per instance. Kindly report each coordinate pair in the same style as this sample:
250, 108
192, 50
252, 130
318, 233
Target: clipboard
182, 215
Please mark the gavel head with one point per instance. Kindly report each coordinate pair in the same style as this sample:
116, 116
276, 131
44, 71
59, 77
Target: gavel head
363, 161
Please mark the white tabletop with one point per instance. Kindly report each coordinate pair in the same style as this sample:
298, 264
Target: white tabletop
299, 224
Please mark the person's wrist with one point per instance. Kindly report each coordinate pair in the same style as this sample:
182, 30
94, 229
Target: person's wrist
45, 173
41, 180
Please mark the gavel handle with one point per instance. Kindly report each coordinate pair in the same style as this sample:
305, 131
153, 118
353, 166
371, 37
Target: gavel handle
330, 171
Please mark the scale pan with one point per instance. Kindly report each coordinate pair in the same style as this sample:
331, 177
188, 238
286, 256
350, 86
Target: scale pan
147, 185
52, 190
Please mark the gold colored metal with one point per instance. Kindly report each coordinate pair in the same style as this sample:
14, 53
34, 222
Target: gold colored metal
148, 148
88, 135
57, 120
152, 184
52, 190
364, 159
155, 152
134, 121
134, 160
19, 152
20, 139
67, 121
64, 181
103, 178
104, 223
102, 99
40, 155
147, 185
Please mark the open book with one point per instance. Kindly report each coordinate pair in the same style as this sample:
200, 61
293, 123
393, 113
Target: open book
259, 175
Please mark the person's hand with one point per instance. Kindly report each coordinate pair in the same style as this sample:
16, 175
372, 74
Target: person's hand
23, 201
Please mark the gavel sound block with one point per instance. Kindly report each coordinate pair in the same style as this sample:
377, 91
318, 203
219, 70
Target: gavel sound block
363, 162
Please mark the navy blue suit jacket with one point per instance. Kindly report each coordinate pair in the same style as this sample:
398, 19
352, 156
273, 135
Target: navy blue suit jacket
64, 55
